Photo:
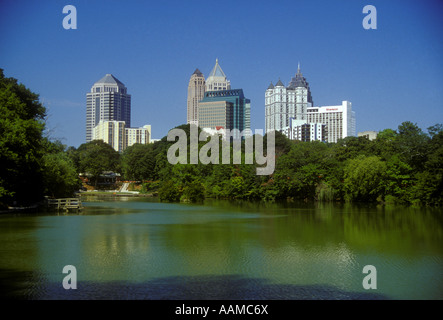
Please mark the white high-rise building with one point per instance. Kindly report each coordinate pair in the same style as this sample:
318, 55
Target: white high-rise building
111, 132
217, 79
138, 135
118, 136
339, 120
107, 101
283, 103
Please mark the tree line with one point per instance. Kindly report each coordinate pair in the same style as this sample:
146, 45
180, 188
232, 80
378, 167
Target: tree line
402, 166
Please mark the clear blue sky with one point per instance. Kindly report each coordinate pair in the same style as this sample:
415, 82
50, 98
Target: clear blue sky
392, 74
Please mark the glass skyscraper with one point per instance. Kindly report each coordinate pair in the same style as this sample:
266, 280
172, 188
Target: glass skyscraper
226, 109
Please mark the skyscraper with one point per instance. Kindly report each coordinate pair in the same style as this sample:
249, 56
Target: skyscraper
226, 109
107, 101
196, 92
217, 79
283, 103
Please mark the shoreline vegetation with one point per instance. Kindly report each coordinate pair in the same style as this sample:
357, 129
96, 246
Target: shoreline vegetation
402, 166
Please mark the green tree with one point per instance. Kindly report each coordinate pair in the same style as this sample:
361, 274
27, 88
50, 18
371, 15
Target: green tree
428, 189
411, 145
352, 147
385, 146
60, 176
193, 192
96, 157
398, 180
363, 178
169, 192
21, 127
138, 162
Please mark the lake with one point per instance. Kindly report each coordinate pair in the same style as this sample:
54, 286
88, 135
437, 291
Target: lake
139, 248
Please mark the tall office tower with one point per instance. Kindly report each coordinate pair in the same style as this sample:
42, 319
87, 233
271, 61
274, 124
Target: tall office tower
196, 92
339, 120
217, 79
107, 101
226, 109
283, 103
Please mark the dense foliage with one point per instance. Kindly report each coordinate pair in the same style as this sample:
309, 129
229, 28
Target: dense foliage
400, 166
31, 165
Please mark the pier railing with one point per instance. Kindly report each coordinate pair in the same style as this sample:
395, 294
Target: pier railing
65, 203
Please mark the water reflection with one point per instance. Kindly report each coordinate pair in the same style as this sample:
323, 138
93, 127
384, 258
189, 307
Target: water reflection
287, 251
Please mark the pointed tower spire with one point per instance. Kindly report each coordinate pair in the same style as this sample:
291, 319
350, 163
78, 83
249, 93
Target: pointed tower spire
298, 69
279, 83
217, 79
217, 70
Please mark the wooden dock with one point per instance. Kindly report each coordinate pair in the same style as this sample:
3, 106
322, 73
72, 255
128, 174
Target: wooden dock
65, 204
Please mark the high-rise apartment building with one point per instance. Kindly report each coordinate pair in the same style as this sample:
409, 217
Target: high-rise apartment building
217, 79
339, 120
118, 136
107, 101
196, 92
140, 135
283, 103
111, 132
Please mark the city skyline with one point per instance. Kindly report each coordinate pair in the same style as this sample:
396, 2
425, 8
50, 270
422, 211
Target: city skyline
391, 74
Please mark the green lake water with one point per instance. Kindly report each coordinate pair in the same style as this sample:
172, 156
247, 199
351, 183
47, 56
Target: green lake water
139, 248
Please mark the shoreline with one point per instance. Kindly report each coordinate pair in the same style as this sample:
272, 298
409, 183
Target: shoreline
114, 194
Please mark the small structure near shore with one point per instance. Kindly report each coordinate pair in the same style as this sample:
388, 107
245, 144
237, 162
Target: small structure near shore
65, 204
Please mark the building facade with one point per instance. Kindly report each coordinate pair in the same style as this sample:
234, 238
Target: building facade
118, 136
108, 100
304, 131
285, 103
140, 135
339, 120
196, 92
226, 109
111, 132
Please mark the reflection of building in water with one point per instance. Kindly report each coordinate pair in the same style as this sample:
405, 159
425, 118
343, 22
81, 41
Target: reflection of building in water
117, 250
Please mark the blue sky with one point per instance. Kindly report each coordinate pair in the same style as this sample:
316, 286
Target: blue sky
392, 74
